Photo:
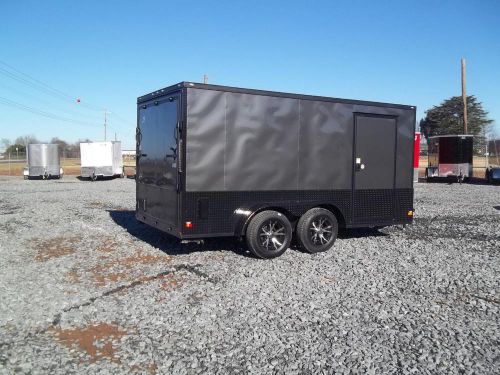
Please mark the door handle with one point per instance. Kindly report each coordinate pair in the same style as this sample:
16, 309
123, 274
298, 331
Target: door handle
359, 166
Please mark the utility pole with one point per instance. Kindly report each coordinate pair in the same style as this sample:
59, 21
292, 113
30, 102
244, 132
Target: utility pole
105, 123
115, 136
205, 79
464, 96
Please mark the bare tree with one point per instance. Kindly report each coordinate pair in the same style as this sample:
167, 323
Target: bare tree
5, 143
25, 140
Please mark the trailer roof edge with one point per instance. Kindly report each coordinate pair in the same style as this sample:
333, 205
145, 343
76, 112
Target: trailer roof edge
451, 135
169, 89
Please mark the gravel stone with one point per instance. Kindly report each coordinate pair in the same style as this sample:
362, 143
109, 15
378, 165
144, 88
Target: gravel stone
85, 288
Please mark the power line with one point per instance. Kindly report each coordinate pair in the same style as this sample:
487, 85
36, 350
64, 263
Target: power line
122, 119
11, 103
92, 117
59, 92
38, 85
31, 84
55, 94
41, 86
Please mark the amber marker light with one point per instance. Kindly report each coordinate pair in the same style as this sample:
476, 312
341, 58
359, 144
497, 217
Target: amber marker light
410, 213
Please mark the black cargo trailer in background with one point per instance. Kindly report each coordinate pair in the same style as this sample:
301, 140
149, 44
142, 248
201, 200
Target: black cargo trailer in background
450, 156
224, 161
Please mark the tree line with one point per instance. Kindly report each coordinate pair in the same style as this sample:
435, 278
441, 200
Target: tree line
19, 145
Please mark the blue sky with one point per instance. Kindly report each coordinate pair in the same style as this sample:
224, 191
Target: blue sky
110, 52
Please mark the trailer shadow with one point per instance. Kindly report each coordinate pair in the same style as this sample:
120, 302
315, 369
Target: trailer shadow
168, 244
40, 178
101, 178
171, 245
360, 233
451, 181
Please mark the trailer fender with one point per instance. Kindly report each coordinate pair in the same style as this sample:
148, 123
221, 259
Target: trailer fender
242, 216
339, 215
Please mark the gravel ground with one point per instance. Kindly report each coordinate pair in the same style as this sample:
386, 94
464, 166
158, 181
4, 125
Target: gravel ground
86, 288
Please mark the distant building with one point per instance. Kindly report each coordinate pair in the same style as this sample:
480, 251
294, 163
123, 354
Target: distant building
128, 154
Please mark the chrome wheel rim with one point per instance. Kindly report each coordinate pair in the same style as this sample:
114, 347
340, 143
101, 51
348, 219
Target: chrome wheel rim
272, 235
321, 231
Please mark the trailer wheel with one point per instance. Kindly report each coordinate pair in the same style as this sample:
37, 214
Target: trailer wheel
317, 230
269, 234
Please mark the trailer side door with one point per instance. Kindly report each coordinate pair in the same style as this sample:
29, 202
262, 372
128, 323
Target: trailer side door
374, 168
157, 160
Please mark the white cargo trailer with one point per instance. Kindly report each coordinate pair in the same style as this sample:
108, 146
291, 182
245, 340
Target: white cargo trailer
101, 159
43, 161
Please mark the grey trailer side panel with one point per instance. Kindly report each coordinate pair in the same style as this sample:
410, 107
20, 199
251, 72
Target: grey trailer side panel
325, 147
404, 142
261, 142
243, 142
205, 154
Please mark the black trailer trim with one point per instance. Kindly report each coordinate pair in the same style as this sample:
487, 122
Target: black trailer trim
220, 217
157, 223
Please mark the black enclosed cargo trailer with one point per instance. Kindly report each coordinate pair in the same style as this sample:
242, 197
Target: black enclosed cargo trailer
450, 156
224, 161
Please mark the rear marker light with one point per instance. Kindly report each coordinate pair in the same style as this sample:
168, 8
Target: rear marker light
189, 224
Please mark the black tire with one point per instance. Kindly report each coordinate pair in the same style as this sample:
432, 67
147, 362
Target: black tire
317, 230
268, 234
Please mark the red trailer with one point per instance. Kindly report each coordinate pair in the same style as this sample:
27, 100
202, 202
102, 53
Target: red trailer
416, 156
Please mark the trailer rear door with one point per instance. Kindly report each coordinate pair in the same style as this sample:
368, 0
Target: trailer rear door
157, 160
374, 168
